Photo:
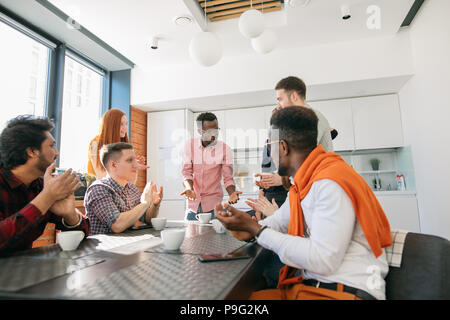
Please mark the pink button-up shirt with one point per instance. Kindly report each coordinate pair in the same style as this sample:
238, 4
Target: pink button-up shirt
206, 166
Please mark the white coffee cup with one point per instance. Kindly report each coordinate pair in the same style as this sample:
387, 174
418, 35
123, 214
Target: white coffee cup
159, 223
69, 240
218, 226
172, 238
203, 217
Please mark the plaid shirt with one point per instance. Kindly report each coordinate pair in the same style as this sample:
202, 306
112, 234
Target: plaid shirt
105, 199
20, 221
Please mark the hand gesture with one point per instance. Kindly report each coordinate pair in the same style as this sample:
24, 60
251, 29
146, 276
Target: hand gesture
268, 180
147, 194
190, 194
61, 186
234, 197
64, 207
157, 195
240, 224
141, 163
263, 205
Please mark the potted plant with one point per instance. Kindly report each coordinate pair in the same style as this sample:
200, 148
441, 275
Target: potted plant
375, 163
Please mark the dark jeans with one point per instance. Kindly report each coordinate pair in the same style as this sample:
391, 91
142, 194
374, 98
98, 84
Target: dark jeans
271, 271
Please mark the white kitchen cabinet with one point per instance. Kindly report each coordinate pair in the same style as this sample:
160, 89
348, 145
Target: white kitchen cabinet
267, 114
248, 118
172, 209
339, 116
401, 211
167, 133
246, 128
377, 122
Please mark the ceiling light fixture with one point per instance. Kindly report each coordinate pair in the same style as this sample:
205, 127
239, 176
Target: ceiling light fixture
154, 44
265, 43
345, 12
205, 48
182, 20
251, 23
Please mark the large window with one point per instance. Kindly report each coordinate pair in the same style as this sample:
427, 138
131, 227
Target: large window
23, 75
81, 112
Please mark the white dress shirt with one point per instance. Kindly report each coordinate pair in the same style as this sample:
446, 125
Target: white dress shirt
336, 250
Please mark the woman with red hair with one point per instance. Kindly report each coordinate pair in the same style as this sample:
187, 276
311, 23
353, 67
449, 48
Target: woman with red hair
113, 128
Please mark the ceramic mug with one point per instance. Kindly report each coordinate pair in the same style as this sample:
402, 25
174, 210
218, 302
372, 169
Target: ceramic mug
159, 223
203, 217
172, 238
69, 240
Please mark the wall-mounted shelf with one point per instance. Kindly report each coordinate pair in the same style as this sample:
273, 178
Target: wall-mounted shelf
377, 171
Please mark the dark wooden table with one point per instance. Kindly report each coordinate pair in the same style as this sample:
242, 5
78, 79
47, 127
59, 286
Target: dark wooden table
134, 265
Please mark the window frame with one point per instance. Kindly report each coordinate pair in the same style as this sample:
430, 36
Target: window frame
55, 72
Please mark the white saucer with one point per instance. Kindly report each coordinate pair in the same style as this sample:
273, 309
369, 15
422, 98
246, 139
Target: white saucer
203, 224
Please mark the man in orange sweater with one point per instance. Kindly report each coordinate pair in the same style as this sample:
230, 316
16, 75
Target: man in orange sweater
331, 233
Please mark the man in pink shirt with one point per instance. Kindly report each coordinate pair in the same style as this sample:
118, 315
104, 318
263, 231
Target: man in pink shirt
205, 161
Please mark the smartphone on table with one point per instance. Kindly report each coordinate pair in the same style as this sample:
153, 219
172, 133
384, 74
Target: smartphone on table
223, 257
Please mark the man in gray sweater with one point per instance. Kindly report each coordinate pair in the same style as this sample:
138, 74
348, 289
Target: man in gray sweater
291, 91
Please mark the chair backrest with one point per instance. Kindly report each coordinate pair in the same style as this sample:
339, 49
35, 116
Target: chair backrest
424, 272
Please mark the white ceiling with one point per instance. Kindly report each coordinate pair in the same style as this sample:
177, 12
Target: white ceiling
128, 26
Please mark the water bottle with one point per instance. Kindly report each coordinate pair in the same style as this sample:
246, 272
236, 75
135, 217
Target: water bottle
401, 182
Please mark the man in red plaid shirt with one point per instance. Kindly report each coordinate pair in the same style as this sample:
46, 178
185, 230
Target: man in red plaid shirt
30, 196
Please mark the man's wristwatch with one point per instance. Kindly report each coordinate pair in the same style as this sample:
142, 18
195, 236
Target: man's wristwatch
257, 235
259, 232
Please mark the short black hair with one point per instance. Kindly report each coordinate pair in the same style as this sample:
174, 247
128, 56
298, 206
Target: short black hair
20, 133
297, 126
292, 83
206, 116
111, 151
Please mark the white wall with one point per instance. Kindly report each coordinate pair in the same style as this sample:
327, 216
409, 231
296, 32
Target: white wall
377, 57
425, 105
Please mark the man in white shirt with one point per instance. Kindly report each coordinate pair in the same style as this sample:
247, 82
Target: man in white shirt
332, 231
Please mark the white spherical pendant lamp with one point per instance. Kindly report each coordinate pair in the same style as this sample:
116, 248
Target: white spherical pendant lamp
205, 49
265, 43
251, 23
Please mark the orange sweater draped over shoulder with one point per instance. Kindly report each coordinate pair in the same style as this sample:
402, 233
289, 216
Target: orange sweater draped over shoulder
321, 165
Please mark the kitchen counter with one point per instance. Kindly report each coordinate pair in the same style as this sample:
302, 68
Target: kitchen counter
395, 193
377, 193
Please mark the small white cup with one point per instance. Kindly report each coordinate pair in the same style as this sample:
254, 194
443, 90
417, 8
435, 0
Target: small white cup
203, 217
173, 238
159, 223
69, 240
218, 226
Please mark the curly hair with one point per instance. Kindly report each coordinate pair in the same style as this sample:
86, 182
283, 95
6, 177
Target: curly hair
21, 133
206, 116
297, 126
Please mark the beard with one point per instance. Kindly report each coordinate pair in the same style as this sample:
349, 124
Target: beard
283, 171
209, 140
43, 163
